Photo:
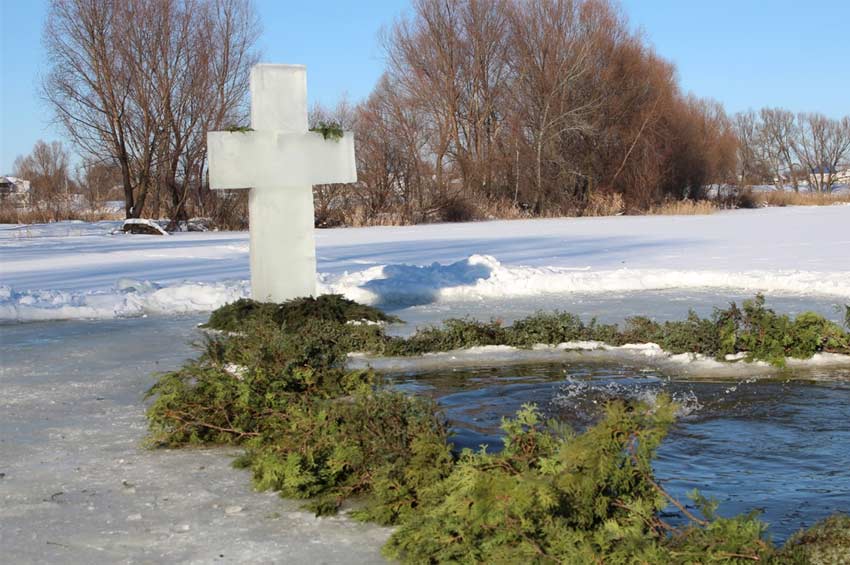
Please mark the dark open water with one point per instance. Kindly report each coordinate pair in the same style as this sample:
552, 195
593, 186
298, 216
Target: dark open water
780, 445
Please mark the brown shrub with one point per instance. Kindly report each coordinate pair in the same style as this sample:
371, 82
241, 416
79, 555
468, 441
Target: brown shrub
456, 209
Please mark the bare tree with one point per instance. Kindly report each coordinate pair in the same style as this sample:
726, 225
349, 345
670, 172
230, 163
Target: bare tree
823, 145
551, 60
529, 105
97, 180
88, 90
746, 127
46, 167
140, 81
778, 134
203, 79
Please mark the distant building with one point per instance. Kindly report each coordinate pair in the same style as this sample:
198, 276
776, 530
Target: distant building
840, 174
14, 190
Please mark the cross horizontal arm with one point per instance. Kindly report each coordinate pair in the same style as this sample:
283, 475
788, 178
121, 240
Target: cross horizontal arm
278, 159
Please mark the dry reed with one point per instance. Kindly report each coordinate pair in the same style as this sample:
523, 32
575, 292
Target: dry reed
683, 208
10, 214
789, 198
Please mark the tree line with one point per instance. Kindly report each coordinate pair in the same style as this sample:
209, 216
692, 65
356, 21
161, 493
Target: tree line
776, 146
486, 108
544, 106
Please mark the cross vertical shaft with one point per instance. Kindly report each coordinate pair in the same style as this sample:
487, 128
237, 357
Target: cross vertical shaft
283, 249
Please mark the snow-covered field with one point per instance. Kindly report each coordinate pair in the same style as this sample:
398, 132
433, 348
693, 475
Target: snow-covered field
78, 270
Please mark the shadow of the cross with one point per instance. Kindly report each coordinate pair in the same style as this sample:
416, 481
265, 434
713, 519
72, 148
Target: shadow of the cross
413, 285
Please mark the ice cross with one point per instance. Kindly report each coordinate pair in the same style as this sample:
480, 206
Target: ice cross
280, 161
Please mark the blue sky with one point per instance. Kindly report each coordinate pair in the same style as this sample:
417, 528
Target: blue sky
744, 53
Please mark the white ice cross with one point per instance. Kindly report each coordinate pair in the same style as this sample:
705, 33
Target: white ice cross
280, 161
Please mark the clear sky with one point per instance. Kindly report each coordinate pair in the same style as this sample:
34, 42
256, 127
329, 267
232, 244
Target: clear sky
744, 53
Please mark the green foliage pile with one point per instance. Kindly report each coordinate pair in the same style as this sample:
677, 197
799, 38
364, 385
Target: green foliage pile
825, 543
551, 496
753, 329
235, 316
311, 429
329, 130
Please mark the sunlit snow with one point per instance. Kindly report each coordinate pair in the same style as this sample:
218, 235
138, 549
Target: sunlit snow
77, 270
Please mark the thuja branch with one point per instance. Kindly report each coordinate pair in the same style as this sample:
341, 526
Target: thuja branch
329, 130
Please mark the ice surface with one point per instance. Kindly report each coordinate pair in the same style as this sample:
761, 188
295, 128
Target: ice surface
790, 251
77, 487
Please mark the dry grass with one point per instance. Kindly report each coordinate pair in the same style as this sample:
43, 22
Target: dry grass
232, 213
683, 208
604, 204
358, 217
501, 210
789, 198
10, 214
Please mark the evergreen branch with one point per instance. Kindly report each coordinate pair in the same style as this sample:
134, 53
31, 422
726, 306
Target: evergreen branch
329, 130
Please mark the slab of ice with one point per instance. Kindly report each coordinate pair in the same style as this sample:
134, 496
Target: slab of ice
646, 354
280, 161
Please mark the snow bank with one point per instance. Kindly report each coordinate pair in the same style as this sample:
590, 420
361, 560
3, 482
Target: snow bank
129, 298
640, 354
479, 277
483, 276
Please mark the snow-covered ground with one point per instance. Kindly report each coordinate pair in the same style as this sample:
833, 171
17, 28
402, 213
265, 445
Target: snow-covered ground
79, 270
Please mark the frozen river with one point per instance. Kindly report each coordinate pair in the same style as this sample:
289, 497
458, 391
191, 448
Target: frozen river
71, 270
77, 487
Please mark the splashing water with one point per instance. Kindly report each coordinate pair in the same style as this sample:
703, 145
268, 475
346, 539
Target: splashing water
585, 399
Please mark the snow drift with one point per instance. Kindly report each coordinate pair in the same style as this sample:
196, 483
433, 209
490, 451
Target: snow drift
478, 277
128, 299
483, 276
